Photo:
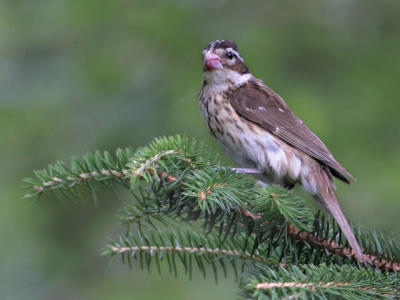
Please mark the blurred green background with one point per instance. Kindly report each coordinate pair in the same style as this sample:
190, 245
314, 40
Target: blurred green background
85, 75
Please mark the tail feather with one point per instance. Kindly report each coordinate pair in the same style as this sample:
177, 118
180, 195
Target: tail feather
331, 203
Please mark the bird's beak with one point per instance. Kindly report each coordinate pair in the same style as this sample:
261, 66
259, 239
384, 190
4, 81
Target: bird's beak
212, 61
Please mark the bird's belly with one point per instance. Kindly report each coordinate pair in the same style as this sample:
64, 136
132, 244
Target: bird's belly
251, 146
260, 151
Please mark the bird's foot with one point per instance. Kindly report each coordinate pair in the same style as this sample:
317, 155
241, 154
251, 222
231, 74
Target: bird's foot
246, 171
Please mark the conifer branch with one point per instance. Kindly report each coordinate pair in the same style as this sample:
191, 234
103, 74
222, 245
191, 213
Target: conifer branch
311, 238
189, 250
312, 285
186, 247
331, 246
335, 248
175, 180
82, 178
307, 281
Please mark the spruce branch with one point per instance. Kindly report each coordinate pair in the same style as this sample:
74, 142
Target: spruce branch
189, 250
185, 179
195, 244
331, 246
331, 243
177, 181
90, 171
186, 247
322, 281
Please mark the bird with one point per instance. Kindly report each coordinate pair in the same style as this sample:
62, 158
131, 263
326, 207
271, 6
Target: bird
257, 129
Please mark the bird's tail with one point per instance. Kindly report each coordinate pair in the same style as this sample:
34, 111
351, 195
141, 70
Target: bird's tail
330, 202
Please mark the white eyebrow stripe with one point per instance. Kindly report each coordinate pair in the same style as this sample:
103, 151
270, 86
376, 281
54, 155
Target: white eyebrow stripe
236, 53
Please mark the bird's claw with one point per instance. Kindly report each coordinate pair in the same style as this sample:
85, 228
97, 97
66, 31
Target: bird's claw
246, 171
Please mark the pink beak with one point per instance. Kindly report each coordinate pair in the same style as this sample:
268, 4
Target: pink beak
212, 61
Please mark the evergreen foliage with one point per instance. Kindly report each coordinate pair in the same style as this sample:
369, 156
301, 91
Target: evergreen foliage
274, 243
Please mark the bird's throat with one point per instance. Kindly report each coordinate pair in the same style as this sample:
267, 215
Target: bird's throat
218, 81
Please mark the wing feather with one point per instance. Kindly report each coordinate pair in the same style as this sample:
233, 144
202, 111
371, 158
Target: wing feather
259, 104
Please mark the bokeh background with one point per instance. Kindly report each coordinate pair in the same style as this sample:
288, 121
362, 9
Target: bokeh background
86, 75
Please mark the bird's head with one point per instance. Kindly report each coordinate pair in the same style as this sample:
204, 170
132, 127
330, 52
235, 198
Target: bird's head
222, 63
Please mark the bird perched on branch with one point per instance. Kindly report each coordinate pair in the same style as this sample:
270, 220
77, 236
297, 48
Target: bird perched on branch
258, 130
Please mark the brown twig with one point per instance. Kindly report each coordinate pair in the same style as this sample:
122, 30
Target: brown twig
333, 247
330, 245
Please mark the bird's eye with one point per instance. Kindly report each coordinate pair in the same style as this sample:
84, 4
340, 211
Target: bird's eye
229, 55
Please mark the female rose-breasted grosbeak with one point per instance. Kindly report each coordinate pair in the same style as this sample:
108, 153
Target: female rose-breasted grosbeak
256, 128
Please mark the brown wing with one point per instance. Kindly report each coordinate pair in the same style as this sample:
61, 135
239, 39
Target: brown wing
261, 105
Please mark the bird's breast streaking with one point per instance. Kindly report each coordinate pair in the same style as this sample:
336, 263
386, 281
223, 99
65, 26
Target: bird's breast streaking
249, 145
